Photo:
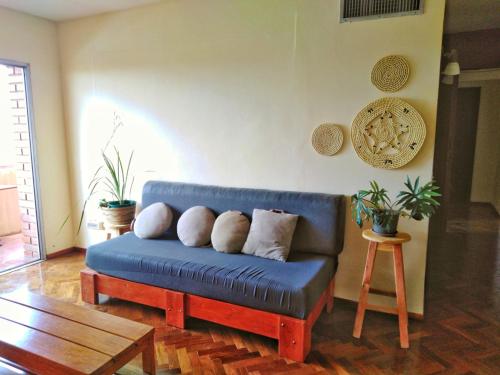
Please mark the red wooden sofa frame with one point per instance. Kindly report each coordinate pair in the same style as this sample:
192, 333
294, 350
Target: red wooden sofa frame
293, 335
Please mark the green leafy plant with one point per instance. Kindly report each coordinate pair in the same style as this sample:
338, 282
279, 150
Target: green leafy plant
417, 202
114, 178
111, 178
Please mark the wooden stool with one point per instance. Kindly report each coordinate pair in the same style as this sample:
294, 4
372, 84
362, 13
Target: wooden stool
392, 244
115, 230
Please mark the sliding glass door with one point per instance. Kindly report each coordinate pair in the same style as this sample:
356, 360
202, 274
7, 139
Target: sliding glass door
20, 234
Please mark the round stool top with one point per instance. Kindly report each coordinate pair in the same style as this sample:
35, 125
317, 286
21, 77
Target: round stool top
400, 237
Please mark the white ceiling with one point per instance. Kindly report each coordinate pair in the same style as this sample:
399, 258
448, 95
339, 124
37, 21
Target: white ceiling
62, 10
469, 15
461, 15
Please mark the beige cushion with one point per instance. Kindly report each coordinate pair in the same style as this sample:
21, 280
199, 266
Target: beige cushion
153, 221
230, 232
195, 226
270, 234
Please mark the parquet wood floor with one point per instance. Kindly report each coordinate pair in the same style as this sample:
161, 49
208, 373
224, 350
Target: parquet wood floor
460, 333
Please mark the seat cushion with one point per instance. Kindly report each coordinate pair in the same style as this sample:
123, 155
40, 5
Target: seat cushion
290, 288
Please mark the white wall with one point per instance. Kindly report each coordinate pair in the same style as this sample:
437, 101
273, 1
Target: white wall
34, 40
228, 92
486, 172
7, 144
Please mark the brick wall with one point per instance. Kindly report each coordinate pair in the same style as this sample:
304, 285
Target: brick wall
24, 171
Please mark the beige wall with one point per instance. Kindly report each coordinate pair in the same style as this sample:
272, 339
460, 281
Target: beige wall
486, 173
34, 40
228, 92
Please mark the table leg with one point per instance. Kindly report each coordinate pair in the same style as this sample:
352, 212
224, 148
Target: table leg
365, 288
401, 296
148, 357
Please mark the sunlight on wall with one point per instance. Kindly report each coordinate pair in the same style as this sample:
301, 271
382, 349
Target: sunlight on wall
158, 149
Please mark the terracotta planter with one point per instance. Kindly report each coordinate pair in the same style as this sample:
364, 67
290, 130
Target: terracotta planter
120, 214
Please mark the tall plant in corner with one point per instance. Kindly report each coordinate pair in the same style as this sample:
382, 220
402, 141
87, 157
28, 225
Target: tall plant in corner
113, 179
416, 202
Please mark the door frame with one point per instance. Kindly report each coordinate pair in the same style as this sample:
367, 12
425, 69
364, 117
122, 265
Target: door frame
34, 156
473, 140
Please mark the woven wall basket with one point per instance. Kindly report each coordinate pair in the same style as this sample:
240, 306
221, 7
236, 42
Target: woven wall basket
390, 73
327, 139
388, 133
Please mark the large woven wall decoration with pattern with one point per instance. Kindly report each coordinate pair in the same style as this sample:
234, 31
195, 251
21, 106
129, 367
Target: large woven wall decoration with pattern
388, 133
390, 73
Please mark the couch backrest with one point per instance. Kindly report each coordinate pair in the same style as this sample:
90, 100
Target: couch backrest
320, 228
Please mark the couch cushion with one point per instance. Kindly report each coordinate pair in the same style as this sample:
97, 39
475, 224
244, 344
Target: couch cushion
290, 288
230, 232
195, 226
270, 235
320, 228
153, 221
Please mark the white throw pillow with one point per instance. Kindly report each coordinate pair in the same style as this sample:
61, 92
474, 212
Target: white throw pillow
153, 221
270, 234
195, 226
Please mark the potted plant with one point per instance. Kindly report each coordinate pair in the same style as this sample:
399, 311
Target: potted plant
112, 177
415, 202
120, 210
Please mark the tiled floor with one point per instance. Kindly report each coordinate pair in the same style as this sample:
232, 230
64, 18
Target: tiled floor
12, 252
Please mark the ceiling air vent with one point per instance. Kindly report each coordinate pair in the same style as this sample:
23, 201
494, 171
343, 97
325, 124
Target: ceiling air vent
358, 10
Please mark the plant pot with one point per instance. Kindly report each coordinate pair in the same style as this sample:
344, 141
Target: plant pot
119, 213
120, 204
385, 222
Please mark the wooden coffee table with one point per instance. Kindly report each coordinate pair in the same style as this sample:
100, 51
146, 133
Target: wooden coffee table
46, 336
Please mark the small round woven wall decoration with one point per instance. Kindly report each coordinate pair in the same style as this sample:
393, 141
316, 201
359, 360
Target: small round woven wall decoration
391, 73
327, 139
388, 133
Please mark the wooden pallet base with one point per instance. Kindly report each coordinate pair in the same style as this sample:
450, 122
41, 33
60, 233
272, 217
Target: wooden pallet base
293, 335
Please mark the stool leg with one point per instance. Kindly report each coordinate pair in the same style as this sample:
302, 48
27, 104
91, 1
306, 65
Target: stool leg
365, 288
401, 296
331, 291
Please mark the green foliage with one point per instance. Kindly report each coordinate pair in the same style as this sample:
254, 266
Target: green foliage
359, 210
379, 196
113, 177
419, 200
416, 202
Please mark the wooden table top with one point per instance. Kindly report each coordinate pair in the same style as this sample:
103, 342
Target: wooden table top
64, 337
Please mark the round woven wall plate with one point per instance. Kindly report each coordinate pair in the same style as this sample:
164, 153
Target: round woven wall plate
391, 73
327, 139
388, 133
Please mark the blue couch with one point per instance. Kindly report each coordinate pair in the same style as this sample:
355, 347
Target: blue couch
291, 289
